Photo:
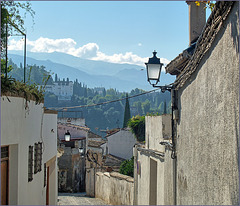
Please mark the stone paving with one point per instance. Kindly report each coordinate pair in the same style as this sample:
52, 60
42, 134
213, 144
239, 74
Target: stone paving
78, 199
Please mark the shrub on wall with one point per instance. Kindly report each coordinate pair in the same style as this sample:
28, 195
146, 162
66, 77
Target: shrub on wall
137, 125
127, 167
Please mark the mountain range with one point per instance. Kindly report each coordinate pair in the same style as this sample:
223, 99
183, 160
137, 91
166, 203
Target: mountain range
123, 77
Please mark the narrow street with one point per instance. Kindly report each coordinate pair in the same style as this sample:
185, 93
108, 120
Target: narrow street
78, 199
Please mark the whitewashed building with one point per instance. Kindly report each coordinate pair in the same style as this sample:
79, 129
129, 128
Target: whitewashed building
121, 143
28, 153
64, 90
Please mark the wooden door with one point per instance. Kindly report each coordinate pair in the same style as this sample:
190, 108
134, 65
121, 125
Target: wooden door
153, 183
4, 182
47, 189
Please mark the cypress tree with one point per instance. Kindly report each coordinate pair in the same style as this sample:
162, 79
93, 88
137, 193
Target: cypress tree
56, 78
165, 108
127, 115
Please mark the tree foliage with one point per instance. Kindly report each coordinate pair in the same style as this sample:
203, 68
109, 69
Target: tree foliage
137, 125
208, 4
127, 114
14, 14
127, 167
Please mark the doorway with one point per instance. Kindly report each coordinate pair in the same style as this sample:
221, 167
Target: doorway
4, 175
153, 183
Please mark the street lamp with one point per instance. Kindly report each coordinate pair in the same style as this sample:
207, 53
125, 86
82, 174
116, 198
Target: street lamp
67, 136
81, 151
154, 67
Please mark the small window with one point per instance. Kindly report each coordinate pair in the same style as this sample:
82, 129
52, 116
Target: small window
4, 152
37, 157
30, 163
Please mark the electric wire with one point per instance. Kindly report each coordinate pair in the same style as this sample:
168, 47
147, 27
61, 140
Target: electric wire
92, 105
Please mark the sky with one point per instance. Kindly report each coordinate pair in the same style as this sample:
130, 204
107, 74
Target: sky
112, 31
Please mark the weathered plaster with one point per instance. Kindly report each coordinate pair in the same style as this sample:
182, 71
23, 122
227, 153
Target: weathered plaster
208, 129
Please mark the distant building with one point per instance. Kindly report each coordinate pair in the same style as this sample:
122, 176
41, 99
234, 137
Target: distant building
62, 89
120, 143
71, 163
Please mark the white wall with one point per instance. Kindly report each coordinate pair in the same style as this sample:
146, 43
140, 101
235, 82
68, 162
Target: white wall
114, 188
75, 121
64, 92
21, 128
121, 144
154, 135
157, 127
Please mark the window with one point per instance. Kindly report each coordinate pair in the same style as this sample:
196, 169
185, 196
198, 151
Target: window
30, 163
4, 152
37, 157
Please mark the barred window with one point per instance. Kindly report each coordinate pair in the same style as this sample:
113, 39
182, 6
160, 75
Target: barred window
30, 163
37, 157
4, 152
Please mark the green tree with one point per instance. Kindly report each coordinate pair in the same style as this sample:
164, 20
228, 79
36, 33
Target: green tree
56, 77
165, 107
138, 106
127, 114
127, 167
13, 13
146, 106
137, 125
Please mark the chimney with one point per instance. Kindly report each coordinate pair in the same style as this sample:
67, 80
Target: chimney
197, 20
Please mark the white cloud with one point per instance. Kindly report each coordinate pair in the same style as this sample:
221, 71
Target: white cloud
87, 51
128, 58
139, 44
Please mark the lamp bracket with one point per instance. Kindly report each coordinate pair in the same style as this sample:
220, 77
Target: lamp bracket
164, 88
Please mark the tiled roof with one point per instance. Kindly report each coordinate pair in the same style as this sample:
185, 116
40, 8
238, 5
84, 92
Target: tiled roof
77, 132
183, 66
94, 143
113, 131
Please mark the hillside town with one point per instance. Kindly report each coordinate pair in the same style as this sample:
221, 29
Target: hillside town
63, 143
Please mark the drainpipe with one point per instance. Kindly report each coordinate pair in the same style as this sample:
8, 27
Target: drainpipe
173, 155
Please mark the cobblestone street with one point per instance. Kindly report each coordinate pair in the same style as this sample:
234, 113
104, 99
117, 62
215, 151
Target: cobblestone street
78, 199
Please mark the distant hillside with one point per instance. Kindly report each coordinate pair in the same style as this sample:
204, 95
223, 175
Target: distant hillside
123, 77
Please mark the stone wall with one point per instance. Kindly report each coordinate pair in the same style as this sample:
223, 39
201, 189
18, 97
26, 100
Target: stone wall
114, 188
208, 128
71, 174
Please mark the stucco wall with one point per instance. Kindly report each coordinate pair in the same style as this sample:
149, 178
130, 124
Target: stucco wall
75, 121
157, 128
146, 179
21, 128
143, 179
71, 166
208, 129
114, 188
169, 178
121, 144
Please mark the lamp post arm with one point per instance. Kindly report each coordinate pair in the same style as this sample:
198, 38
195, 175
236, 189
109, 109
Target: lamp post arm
164, 88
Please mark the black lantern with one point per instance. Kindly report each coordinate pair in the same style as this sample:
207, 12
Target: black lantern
67, 136
154, 67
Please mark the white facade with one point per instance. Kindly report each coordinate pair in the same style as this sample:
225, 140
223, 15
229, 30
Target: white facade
63, 91
73, 121
149, 169
121, 144
21, 128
